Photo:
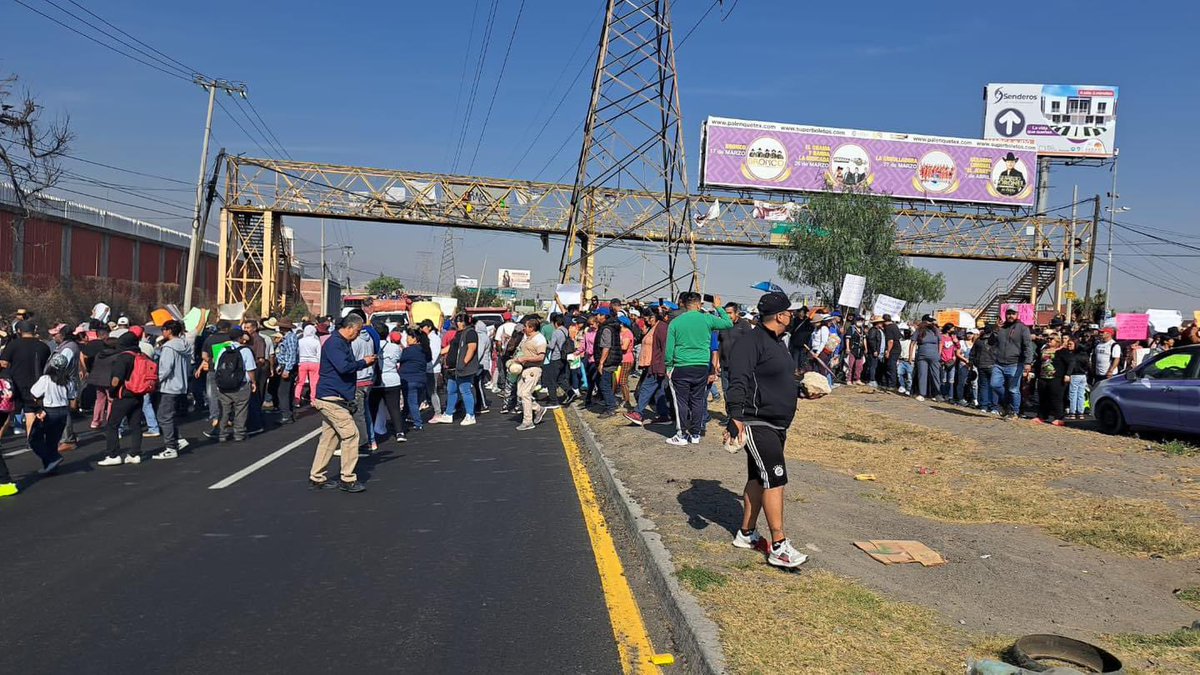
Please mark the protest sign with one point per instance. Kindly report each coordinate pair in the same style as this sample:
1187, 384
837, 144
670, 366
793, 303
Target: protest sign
1133, 326
1024, 312
852, 290
886, 304
1164, 319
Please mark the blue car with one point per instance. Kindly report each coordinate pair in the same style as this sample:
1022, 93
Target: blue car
1162, 394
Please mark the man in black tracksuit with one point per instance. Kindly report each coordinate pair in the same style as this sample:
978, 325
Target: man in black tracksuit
761, 403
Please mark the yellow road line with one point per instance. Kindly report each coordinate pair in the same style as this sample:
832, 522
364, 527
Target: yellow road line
629, 631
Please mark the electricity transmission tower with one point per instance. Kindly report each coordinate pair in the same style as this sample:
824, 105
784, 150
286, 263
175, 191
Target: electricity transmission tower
632, 140
446, 274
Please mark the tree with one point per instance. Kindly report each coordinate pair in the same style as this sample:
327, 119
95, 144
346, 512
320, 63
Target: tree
384, 285
1090, 309
851, 232
29, 150
466, 297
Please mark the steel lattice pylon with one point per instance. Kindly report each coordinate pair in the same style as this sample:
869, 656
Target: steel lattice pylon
632, 137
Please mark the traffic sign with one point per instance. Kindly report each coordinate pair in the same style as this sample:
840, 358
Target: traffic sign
1009, 123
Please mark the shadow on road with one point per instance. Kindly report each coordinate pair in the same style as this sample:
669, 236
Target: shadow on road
707, 501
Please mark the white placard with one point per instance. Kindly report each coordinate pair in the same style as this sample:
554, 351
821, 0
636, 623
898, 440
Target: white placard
852, 290
569, 294
1164, 319
886, 304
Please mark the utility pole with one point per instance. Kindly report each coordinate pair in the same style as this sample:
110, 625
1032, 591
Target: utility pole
348, 252
1112, 223
1071, 253
324, 273
1092, 246
212, 86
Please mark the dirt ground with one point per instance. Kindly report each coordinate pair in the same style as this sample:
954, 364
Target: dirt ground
1045, 529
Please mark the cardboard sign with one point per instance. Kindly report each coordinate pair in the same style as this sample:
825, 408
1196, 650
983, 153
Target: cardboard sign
1133, 326
1025, 312
948, 316
568, 294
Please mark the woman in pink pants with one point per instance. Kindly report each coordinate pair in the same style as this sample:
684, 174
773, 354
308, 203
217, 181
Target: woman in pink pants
309, 353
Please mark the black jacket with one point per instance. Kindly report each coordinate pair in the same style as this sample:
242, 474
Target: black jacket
729, 337
874, 341
762, 381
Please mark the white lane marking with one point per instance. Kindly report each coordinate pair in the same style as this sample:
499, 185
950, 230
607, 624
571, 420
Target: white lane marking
14, 453
235, 477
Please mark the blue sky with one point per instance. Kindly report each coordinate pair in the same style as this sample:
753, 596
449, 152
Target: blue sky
378, 84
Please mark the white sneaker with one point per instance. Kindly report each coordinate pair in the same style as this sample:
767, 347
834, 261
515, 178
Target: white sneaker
903, 391
167, 453
337, 453
920, 398
133, 459
677, 439
441, 419
786, 555
694, 439
183, 443
467, 421
110, 461
753, 540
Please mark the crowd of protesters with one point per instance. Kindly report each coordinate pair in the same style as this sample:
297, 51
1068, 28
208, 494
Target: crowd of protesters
655, 363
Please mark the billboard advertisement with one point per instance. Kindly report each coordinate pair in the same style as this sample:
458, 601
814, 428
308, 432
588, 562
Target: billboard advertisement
1073, 120
771, 156
512, 278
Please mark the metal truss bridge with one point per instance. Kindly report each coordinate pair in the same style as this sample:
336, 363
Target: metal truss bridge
260, 193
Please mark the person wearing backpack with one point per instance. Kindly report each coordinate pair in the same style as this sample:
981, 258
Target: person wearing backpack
235, 385
1107, 357
133, 376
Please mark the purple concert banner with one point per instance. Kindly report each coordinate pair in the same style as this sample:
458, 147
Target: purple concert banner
792, 158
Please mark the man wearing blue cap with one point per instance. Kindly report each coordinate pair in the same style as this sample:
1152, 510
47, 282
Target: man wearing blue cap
607, 357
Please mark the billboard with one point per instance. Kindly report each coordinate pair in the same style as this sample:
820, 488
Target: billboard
512, 278
1075, 120
466, 282
770, 156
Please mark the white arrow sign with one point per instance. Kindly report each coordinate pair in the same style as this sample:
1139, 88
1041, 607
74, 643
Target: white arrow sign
1008, 119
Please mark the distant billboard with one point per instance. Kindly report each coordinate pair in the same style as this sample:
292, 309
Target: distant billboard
466, 282
513, 278
1076, 120
786, 157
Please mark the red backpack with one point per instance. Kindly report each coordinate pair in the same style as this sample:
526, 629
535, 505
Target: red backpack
144, 378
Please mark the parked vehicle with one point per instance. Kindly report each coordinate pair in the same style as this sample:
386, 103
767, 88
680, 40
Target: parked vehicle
1162, 394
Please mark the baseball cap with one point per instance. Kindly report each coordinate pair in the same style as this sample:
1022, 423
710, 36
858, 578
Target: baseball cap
604, 311
26, 326
773, 303
123, 322
138, 331
236, 333
117, 333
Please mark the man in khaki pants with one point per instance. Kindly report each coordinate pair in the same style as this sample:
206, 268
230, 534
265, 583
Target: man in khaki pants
531, 353
333, 399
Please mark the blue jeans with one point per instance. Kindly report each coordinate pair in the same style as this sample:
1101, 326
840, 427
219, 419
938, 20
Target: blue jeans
148, 413
464, 387
652, 387
949, 381
1007, 379
904, 370
605, 384
1078, 387
985, 389
416, 394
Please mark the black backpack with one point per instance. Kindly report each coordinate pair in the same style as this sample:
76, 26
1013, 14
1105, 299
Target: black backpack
231, 369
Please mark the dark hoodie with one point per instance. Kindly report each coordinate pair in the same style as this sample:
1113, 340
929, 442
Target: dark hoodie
762, 381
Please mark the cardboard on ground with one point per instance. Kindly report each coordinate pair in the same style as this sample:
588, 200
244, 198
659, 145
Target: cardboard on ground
899, 552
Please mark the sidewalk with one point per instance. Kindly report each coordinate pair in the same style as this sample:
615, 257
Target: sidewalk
1045, 530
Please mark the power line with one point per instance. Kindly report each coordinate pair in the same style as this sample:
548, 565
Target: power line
483, 50
463, 77
275, 138
172, 73
186, 68
239, 125
496, 89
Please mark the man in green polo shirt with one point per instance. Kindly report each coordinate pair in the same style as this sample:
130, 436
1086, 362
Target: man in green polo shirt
688, 356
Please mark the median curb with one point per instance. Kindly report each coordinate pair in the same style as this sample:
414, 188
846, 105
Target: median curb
696, 635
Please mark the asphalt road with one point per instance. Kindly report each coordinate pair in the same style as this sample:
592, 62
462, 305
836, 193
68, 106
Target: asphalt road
467, 553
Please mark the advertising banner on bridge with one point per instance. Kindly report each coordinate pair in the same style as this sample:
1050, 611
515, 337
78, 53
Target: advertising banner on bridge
788, 157
512, 278
1072, 120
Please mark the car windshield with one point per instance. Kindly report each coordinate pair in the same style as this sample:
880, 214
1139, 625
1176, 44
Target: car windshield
1171, 366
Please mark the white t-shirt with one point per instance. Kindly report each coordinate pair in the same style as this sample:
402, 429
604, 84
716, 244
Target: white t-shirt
435, 348
52, 395
1105, 354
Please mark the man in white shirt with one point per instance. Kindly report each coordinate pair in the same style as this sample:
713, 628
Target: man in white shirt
1107, 356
